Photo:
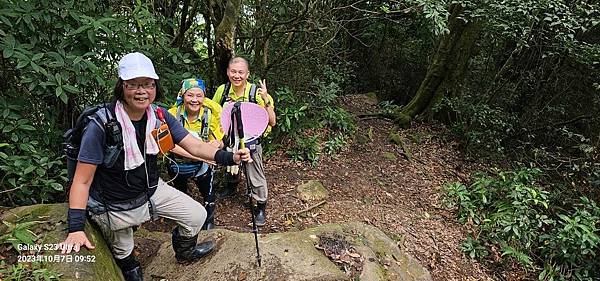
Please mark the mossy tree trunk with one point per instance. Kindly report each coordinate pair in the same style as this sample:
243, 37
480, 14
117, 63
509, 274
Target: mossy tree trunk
447, 68
225, 38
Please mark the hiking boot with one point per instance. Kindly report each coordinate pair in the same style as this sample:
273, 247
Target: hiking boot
134, 274
131, 268
186, 249
261, 216
227, 191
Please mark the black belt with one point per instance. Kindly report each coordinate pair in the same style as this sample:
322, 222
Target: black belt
256, 141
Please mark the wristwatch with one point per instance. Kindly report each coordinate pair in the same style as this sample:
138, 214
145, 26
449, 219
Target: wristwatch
268, 104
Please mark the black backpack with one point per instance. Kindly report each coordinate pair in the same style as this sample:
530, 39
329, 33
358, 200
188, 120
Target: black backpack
103, 115
225, 95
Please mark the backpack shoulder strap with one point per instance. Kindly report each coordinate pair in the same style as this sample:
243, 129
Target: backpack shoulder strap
103, 114
178, 113
205, 123
155, 108
252, 94
180, 116
225, 94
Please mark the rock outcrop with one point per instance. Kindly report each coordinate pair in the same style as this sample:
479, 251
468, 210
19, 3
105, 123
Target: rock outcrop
293, 256
51, 229
328, 252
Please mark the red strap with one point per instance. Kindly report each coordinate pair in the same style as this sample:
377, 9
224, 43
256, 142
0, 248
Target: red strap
160, 114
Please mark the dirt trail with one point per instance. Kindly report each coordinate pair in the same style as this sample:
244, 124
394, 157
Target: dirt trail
374, 183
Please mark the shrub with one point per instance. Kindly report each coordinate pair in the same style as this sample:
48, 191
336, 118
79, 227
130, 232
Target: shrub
510, 211
570, 248
312, 117
483, 128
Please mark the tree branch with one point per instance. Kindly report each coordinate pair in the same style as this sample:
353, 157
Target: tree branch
307, 209
9, 190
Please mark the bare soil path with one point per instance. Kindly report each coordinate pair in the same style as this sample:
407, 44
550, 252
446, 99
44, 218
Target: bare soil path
373, 181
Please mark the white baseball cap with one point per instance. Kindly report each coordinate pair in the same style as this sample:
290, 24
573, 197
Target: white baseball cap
134, 65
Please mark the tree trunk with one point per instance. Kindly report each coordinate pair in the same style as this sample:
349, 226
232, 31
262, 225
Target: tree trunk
167, 9
185, 22
206, 13
225, 38
447, 68
262, 35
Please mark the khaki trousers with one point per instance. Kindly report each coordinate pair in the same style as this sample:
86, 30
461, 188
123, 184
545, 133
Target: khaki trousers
256, 174
170, 203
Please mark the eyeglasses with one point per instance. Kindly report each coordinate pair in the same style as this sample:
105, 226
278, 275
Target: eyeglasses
135, 86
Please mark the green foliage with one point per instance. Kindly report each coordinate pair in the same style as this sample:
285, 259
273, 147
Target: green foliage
474, 248
19, 233
529, 95
511, 212
484, 129
338, 119
334, 144
29, 169
27, 271
290, 110
571, 248
459, 196
306, 149
387, 107
557, 23
436, 12
388, 65
58, 58
312, 118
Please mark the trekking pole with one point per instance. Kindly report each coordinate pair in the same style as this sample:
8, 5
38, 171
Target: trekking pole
237, 113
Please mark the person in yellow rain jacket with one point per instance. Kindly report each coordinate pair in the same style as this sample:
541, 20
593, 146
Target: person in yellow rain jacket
239, 89
201, 117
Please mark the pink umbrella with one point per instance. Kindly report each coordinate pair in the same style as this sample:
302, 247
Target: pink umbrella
254, 119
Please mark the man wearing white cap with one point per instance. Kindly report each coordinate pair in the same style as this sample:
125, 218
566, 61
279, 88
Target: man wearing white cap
126, 192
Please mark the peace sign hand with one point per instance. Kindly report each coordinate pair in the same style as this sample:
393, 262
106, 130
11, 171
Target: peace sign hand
263, 89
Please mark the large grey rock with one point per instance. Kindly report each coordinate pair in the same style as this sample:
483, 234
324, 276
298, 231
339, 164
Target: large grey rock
96, 264
288, 256
285, 256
